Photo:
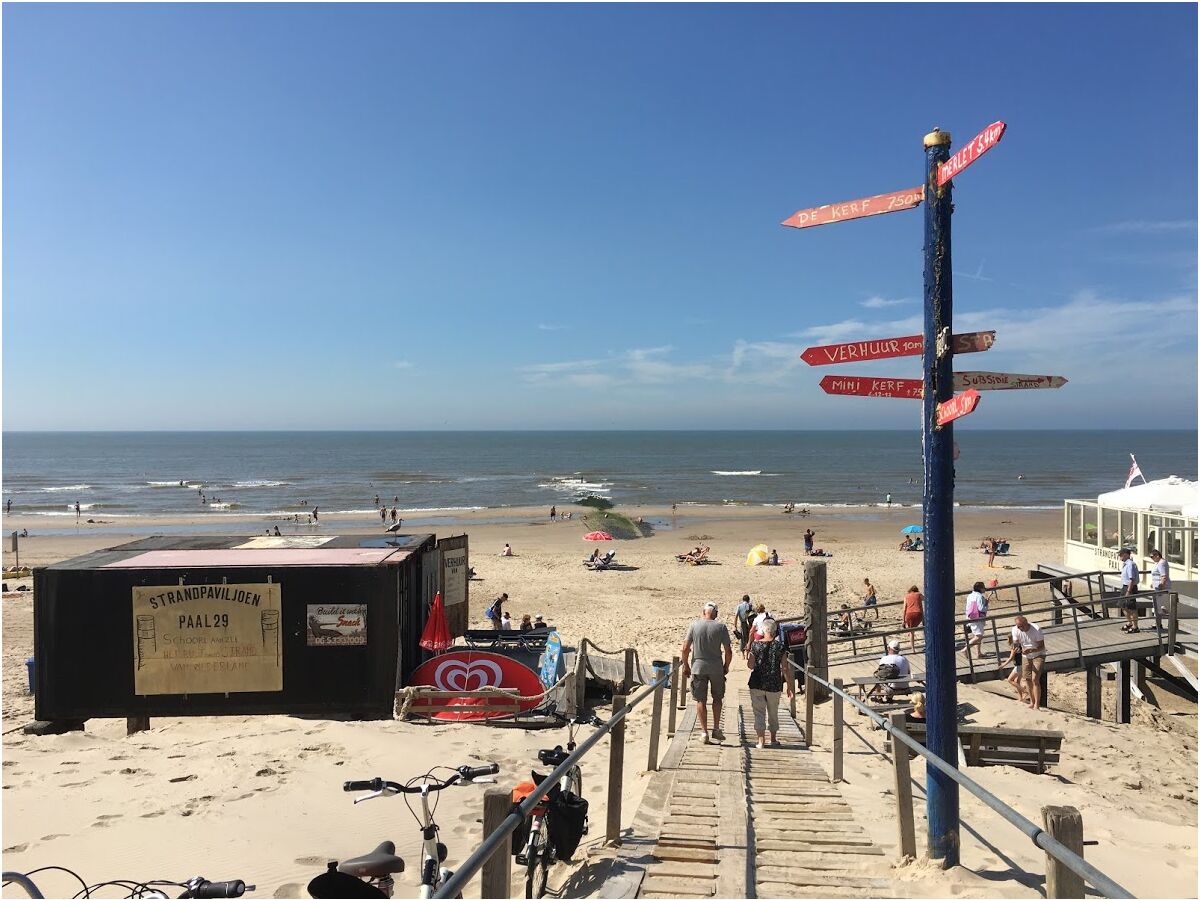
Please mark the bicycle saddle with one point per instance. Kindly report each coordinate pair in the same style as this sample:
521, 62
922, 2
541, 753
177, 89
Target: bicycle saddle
379, 862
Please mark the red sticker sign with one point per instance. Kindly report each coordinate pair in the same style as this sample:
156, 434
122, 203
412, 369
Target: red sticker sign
466, 671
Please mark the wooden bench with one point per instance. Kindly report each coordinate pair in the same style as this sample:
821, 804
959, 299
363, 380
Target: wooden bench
982, 745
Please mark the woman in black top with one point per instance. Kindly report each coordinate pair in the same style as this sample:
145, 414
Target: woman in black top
767, 661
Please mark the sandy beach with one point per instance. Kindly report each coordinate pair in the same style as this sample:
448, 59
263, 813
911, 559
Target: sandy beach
260, 798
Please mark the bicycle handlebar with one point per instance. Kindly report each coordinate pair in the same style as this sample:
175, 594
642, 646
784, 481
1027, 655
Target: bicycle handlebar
463, 773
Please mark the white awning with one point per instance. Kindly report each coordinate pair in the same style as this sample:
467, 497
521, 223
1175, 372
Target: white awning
1169, 495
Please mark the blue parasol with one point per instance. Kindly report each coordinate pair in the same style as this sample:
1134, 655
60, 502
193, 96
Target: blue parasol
911, 529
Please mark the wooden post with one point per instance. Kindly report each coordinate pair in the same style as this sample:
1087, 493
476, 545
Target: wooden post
627, 687
837, 731
818, 623
1172, 624
581, 678
495, 879
904, 806
1094, 686
674, 696
1065, 825
616, 773
1123, 693
655, 726
134, 724
809, 691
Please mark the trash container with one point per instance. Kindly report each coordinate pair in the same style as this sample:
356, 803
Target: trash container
29, 671
662, 670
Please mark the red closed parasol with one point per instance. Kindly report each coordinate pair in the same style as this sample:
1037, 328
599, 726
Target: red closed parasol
436, 636
597, 536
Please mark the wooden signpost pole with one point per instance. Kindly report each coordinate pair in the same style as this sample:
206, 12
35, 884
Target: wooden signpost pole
940, 670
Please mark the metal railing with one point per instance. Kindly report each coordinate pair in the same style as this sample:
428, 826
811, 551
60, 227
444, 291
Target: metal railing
1064, 855
473, 863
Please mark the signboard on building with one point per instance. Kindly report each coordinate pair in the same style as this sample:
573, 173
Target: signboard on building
207, 639
337, 625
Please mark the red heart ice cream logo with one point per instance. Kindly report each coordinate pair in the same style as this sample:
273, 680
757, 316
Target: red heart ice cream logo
457, 675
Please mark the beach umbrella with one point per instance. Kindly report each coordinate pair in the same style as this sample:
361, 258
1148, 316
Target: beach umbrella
597, 536
911, 529
436, 636
757, 555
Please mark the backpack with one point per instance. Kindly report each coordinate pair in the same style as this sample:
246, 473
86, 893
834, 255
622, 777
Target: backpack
887, 671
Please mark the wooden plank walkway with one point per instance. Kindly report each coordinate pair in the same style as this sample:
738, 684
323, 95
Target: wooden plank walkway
805, 840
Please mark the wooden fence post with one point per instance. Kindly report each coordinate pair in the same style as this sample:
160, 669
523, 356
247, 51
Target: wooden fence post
655, 726
809, 690
627, 687
674, 696
904, 806
495, 878
616, 772
1065, 825
837, 731
818, 622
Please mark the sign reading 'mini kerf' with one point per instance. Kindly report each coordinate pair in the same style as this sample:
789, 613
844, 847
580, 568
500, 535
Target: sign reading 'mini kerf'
207, 639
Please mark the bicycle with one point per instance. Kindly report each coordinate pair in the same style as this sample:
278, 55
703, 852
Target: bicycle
370, 875
538, 853
197, 886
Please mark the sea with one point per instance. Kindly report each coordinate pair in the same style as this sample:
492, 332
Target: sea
115, 475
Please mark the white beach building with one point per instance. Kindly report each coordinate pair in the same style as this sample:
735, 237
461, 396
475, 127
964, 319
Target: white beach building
1156, 515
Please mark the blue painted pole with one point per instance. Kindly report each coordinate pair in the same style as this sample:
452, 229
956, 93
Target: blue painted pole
940, 663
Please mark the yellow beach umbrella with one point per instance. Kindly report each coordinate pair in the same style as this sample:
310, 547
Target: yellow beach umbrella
758, 555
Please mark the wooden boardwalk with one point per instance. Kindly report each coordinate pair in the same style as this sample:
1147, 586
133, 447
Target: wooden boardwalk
742, 822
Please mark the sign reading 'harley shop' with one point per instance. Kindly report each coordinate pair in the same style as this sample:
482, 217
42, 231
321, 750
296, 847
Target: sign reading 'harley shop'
207, 639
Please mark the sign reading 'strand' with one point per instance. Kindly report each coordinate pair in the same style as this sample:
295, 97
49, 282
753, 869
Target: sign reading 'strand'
207, 639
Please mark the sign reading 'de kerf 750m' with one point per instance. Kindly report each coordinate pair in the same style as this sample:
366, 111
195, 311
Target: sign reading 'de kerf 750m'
207, 639
856, 209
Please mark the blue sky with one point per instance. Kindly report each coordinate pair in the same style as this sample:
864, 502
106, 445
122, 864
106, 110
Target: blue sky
241, 216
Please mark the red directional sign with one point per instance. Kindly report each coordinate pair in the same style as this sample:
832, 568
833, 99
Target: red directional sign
979, 145
856, 209
912, 345
872, 387
957, 406
1006, 381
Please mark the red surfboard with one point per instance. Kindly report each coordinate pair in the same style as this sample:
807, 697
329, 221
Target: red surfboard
473, 670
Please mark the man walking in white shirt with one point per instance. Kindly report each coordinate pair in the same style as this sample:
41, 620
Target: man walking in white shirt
1160, 580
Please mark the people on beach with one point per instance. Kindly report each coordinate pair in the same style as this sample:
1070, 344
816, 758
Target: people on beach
1028, 639
1130, 576
767, 662
706, 653
526, 622
976, 612
507, 551
1160, 578
741, 627
809, 535
870, 600
914, 614
495, 611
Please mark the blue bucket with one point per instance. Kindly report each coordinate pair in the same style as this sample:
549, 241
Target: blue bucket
30, 670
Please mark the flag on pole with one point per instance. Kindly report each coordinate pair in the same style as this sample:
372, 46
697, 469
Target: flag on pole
1134, 472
